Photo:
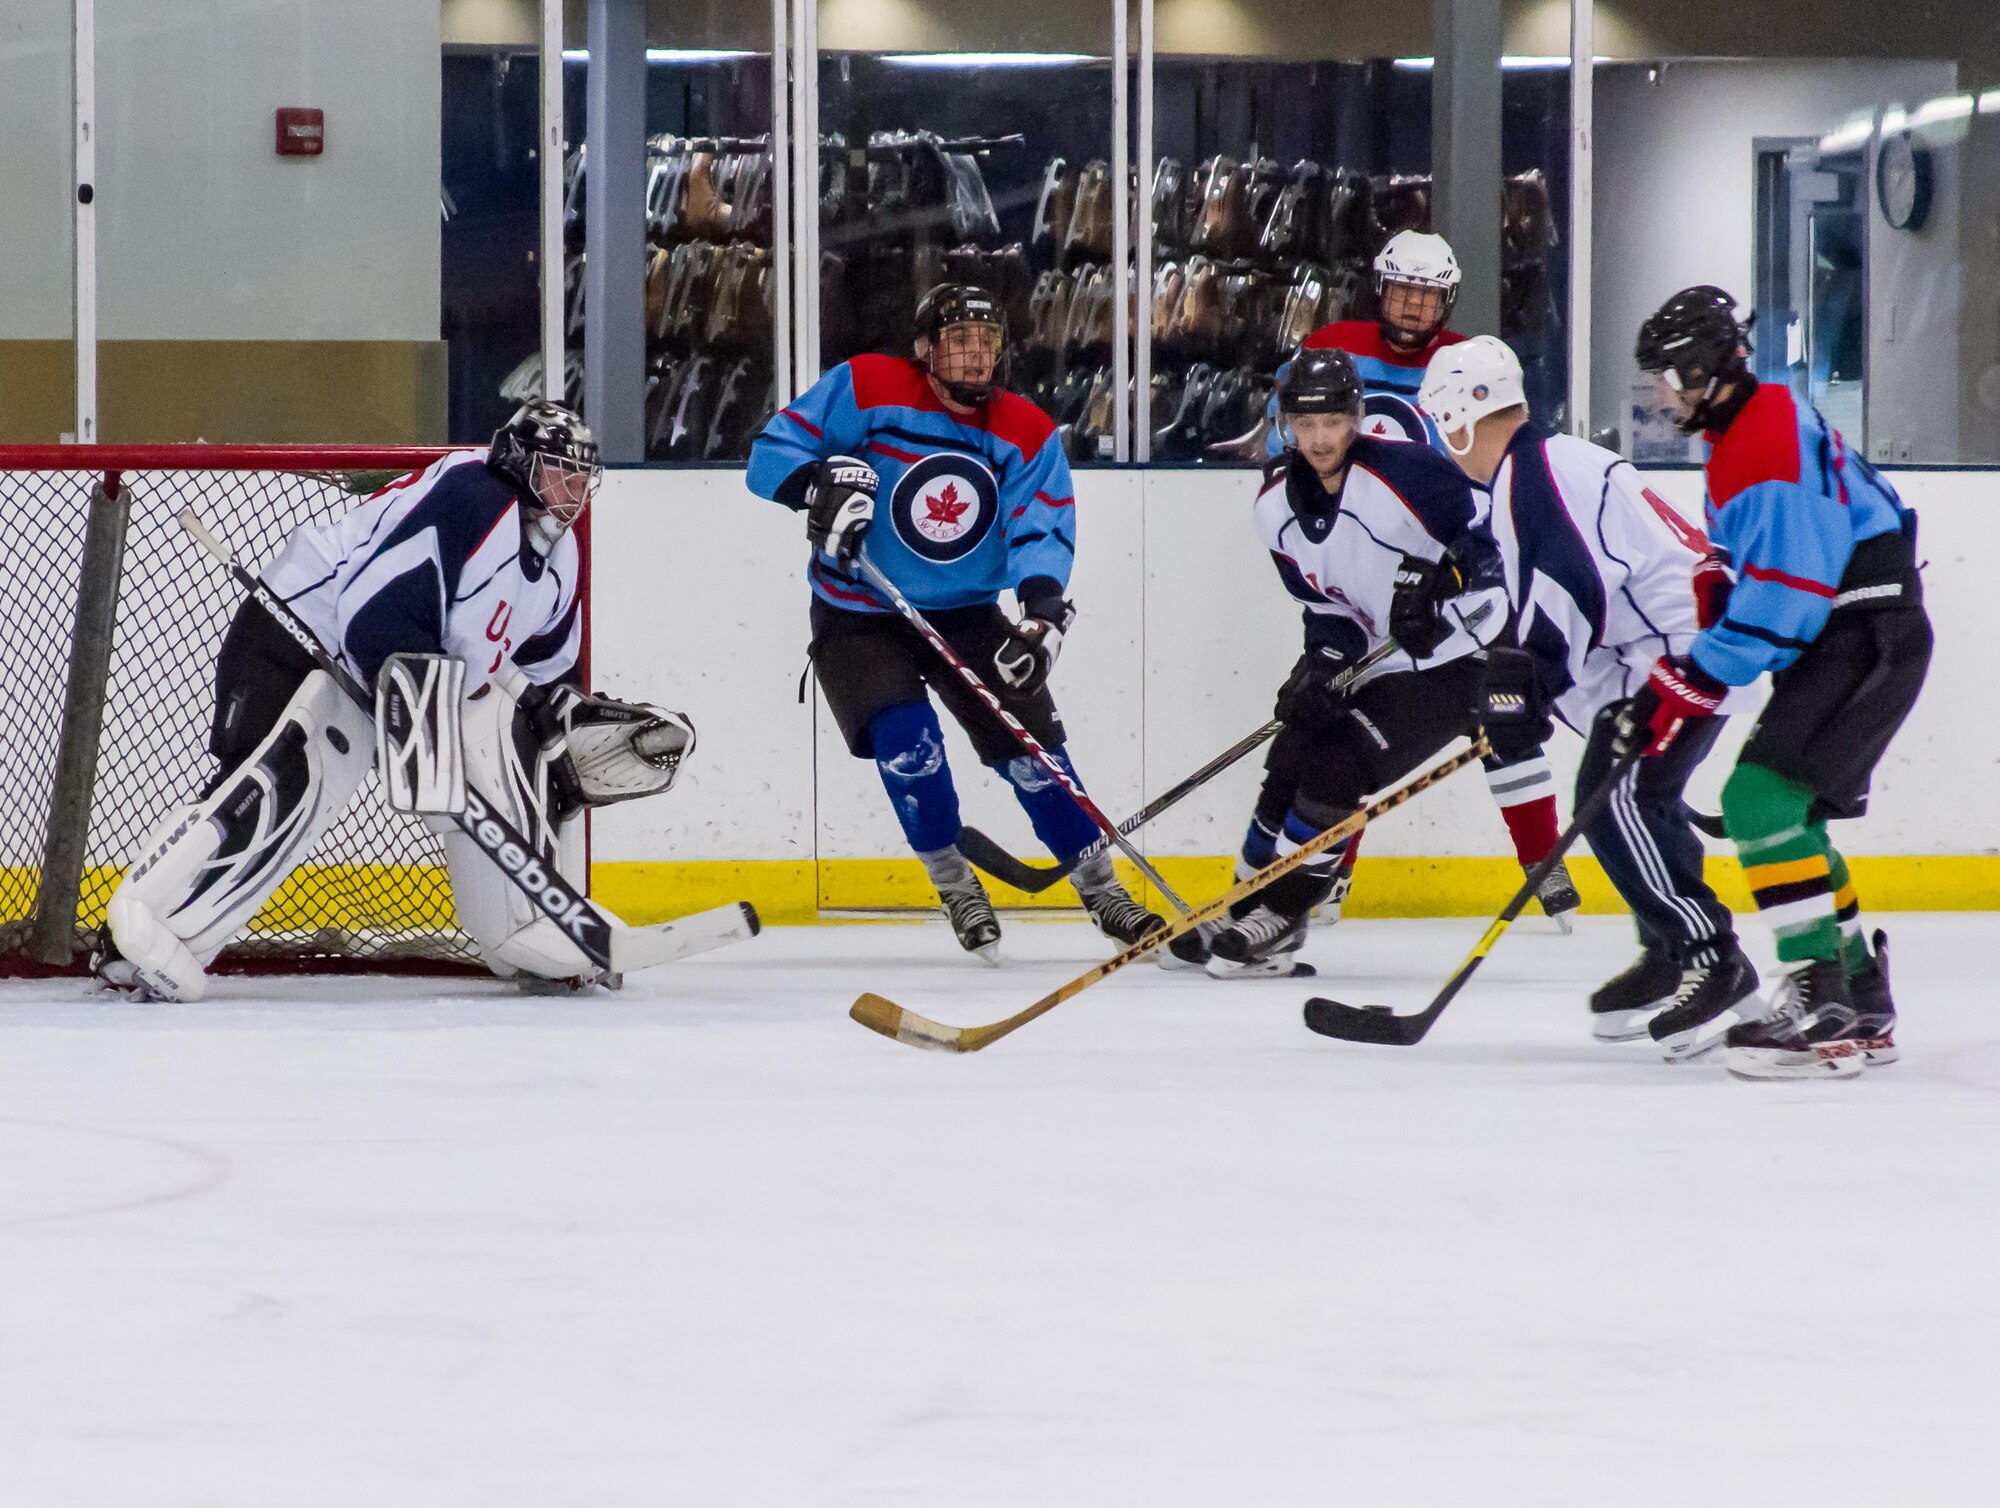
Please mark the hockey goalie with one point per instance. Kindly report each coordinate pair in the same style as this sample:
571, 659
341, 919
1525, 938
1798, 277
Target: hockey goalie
452, 596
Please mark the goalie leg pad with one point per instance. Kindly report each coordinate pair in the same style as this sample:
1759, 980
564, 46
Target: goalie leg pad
418, 739
503, 759
209, 868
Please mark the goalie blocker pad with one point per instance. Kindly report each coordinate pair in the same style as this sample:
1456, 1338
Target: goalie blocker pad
419, 740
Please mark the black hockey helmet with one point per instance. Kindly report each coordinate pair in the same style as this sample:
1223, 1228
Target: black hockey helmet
950, 304
1696, 343
549, 453
1321, 380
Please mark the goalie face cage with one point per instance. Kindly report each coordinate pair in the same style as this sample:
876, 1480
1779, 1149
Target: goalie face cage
110, 620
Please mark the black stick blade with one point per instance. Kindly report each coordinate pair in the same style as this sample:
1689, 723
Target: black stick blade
1367, 1023
1004, 867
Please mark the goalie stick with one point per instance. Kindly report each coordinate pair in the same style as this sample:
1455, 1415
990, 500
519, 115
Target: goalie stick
609, 945
882, 1015
1378, 1024
1035, 878
1013, 725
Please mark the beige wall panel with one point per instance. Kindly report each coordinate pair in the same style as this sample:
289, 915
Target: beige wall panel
246, 392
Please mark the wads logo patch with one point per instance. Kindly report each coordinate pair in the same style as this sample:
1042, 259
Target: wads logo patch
945, 505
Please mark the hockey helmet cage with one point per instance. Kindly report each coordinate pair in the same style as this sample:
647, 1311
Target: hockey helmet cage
1695, 342
549, 453
1321, 380
948, 305
1466, 382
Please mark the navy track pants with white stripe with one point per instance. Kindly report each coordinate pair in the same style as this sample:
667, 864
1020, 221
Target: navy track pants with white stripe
1649, 849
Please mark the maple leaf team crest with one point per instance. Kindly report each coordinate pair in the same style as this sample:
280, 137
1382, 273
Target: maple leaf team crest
944, 505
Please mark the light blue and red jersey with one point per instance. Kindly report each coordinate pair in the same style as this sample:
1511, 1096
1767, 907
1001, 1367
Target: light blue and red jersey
1787, 502
1389, 375
970, 505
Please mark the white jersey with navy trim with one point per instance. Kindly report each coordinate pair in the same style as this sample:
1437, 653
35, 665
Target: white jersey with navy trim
1337, 554
1599, 569
436, 563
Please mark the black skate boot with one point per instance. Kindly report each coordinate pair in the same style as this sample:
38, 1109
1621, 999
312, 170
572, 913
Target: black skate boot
1327, 912
1624, 1003
1874, 1007
1259, 945
965, 904
1110, 905
1189, 951
1711, 999
1809, 1034
1558, 897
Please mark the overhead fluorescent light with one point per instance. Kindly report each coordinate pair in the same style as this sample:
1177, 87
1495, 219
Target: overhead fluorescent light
1512, 60
1989, 102
1946, 108
673, 54
986, 59
1848, 138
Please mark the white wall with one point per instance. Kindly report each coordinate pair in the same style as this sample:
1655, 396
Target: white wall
204, 231
34, 170
1183, 637
1675, 190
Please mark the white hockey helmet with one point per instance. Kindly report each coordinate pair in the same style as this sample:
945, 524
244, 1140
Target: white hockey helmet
1415, 256
1466, 382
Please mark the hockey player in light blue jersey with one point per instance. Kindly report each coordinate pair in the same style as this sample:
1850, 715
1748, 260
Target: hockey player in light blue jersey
1828, 602
958, 491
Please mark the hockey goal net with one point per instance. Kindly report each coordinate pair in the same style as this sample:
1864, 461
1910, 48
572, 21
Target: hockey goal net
110, 619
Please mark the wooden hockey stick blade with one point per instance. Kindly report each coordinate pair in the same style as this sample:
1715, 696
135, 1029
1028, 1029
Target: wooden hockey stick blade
882, 1015
1379, 1025
1008, 870
634, 948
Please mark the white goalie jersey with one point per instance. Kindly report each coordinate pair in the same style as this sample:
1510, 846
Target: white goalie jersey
438, 563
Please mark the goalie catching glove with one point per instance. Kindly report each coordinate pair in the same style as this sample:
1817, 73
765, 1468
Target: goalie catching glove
598, 750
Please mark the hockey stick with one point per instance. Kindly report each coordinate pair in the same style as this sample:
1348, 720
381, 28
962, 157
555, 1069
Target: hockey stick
609, 945
1378, 1024
1014, 726
1035, 878
891, 1020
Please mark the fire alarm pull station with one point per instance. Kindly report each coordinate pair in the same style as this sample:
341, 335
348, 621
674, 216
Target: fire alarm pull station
301, 132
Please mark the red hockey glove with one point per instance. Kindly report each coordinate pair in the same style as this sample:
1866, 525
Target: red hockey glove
1712, 583
1677, 691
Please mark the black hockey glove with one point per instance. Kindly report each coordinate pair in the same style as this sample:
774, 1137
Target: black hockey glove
1028, 653
840, 504
1310, 700
1513, 705
1416, 611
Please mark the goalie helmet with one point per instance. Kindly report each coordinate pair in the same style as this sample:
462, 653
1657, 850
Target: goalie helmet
1418, 260
1695, 344
1466, 382
946, 307
549, 453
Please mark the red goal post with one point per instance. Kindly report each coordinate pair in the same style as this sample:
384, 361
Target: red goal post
110, 619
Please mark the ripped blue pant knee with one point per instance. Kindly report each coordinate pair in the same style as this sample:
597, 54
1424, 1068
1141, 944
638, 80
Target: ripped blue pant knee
909, 756
1058, 821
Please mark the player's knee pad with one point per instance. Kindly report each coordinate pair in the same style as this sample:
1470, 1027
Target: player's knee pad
502, 759
910, 757
208, 869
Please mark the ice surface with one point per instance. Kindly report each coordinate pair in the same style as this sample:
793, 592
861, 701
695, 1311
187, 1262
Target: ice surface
709, 1242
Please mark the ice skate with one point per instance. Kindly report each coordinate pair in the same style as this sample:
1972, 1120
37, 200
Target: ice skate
1623, 1004
1810, 1033
965, 903
1259, 945
1109, 905
1714, 995
1327, 912
1874, 1007
1558, 897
